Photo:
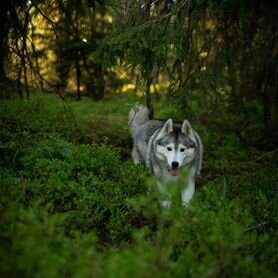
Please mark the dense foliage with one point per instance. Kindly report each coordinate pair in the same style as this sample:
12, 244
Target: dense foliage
73, 205
203, 52
208, 51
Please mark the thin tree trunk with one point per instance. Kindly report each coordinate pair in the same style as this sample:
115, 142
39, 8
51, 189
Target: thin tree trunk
19, 88
149, 102
77, 64
3, 37
36, 61
26, 79
78, 75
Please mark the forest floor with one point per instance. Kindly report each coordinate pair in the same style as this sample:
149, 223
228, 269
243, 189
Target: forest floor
72, 204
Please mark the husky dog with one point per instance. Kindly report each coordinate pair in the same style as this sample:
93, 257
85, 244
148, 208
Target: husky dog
166, 147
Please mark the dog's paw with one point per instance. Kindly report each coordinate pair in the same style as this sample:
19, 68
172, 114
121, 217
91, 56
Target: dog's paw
166, 203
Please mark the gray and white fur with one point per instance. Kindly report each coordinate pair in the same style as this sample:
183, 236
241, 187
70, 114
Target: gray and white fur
166, 147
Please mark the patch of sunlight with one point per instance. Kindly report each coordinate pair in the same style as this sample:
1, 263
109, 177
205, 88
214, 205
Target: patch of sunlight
108, 18
119, 71
221, 91
128, 88
203, 54
154, 88
141, 94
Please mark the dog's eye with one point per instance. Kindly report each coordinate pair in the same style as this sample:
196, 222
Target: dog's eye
182, 150
169, 149
192, 145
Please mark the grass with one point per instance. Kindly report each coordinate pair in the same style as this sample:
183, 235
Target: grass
72, 203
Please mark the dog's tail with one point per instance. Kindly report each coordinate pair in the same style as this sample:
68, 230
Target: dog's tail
138, 115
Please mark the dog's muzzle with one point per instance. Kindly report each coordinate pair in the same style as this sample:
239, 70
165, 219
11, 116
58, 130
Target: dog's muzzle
174, 171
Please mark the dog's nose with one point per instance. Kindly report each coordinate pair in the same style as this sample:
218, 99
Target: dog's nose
175, 164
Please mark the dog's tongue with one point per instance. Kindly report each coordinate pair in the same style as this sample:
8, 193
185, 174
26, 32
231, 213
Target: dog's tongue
174, 172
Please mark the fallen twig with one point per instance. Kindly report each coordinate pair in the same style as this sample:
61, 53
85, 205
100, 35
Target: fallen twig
265, 154
256, 226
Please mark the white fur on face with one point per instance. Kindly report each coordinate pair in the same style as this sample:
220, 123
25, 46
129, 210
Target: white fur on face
180, 154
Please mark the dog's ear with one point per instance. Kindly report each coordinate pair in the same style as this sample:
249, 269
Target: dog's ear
187, 129
166, 129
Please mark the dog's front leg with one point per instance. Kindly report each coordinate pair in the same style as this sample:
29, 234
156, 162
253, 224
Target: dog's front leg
166, 202
188, 192
135, 156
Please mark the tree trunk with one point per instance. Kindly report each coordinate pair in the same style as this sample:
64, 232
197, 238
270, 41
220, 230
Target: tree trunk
149, 102
19, 88
78, 75
3, 37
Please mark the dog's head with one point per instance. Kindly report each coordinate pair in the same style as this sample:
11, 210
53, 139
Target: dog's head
175, 145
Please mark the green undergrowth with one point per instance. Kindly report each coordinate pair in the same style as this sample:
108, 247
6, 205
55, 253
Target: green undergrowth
72, 203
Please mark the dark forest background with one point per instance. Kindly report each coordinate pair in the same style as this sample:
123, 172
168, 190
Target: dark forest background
212, 53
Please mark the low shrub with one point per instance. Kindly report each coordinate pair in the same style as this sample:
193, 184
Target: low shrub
73, 209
